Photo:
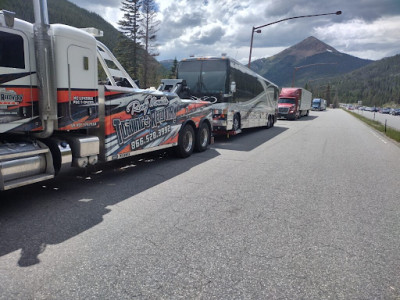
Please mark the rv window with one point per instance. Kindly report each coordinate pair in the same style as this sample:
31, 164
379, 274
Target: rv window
11, 51
247, 85
86, 63
204, 77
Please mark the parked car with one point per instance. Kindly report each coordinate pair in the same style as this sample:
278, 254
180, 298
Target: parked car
395, 111
385, 110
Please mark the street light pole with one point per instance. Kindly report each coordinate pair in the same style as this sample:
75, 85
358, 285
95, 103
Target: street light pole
258, 28
251, 42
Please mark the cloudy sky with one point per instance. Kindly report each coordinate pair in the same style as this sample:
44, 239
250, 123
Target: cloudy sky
366, 29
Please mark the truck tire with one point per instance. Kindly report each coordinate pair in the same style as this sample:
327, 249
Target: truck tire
203, 137
186, 142
270, 122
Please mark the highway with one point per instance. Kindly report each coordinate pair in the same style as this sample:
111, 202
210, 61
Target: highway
391, 121
308, 209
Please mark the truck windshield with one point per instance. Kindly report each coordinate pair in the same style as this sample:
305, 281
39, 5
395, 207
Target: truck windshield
287, 100
316, 101
204, 77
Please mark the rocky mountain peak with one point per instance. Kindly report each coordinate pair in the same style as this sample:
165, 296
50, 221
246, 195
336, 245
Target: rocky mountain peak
306, 48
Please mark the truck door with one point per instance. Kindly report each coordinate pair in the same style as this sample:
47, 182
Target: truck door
18, 100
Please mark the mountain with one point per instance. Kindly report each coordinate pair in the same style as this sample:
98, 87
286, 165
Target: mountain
65, 12
312, 58
167, 63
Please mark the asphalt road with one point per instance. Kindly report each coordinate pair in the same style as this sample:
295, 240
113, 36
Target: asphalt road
391, 121
308, 209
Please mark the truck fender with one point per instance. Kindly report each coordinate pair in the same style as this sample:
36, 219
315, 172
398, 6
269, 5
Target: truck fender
61, 153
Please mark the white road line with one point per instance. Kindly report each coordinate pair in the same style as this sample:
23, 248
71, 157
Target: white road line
380, 138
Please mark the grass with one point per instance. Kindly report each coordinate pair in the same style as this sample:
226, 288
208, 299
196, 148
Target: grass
388, 131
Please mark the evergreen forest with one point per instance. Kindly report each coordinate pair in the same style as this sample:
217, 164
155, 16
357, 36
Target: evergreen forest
377, 84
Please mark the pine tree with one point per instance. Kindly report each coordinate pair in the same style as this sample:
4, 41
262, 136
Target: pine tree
172, 71
328, 95
130, 26
123, 52
150, 28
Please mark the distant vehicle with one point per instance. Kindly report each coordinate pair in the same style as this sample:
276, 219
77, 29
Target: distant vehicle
294, 103
241, 98
318, 104
395, 111
385, 110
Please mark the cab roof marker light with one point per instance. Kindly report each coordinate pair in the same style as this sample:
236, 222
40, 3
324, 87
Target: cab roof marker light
9, 18
93, 31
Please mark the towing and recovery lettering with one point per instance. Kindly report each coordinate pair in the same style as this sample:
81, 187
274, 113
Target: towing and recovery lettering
9, 97
149, 114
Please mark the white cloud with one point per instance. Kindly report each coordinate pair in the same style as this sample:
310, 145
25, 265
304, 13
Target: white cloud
211, 27
366, 40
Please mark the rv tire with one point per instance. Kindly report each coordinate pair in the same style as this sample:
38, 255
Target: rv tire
236, 122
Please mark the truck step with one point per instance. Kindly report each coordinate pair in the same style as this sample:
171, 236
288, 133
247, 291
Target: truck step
23, 163
24, 181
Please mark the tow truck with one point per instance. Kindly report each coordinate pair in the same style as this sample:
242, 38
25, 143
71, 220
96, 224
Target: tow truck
56, 111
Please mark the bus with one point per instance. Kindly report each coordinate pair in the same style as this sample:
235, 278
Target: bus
241, 98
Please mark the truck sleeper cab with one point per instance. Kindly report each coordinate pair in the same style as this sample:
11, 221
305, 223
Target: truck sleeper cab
293, 103
318, 104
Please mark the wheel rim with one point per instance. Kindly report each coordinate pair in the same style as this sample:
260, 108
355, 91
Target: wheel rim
204, 137
188, 141
235, 123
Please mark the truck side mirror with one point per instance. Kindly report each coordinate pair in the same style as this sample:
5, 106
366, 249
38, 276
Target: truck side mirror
233, 87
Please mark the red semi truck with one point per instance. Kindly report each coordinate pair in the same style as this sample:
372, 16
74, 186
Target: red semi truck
57, 110
293, 103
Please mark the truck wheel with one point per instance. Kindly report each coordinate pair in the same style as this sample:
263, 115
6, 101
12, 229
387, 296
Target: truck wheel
236, 122
203, 137
186, 142
269, 122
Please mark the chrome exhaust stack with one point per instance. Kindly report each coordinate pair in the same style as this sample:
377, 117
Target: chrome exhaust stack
45, 68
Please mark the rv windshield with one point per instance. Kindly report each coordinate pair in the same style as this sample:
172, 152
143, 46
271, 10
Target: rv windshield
316, 101
287, 100
204, 77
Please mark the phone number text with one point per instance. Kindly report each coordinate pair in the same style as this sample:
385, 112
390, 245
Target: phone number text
150, 137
